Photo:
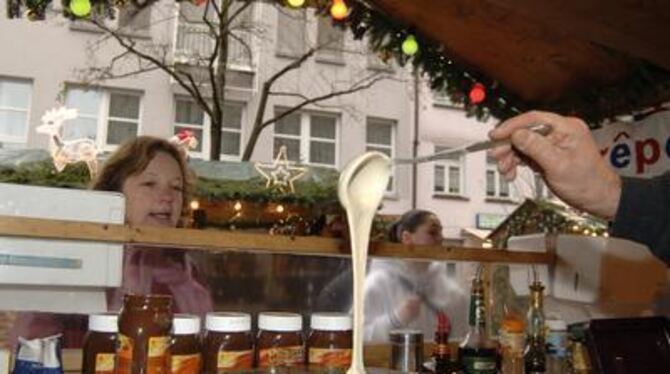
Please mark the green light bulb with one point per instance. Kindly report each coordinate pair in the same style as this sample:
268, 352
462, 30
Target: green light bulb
296, 3
410, 46
80, 8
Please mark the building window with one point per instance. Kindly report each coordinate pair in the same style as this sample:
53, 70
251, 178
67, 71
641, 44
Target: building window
330, 40
308, 137
496, 185
189, 116
291, 25
108, 117
449, 174
14, 108
380, 137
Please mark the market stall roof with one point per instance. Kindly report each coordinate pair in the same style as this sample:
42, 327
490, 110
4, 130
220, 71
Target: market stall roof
575, 56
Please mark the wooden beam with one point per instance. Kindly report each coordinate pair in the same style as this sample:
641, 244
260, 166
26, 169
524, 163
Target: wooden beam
537, 62
217, 240
638, 28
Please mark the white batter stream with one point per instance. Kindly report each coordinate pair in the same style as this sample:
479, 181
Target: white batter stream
361, 189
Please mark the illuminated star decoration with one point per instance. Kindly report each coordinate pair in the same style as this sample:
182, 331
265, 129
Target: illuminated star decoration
280, 174
66, 152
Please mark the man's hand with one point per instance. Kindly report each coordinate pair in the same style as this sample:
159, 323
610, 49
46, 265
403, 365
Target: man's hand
568, 159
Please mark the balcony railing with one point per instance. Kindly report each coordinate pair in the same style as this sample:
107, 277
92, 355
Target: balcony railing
194, 42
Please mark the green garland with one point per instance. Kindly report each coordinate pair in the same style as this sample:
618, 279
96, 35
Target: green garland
644, 86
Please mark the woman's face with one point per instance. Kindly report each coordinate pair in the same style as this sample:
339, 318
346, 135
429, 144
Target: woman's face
428, 233
154, 196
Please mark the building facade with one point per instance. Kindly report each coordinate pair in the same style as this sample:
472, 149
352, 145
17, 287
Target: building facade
41, 67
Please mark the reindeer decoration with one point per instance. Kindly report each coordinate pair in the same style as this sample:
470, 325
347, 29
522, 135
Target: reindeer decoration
66, 152
185, 141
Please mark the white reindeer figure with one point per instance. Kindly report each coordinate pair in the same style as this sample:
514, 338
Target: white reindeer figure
66, 152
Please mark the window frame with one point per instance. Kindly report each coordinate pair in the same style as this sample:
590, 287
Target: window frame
103, 117
305, 137
206, 140
393, 124
491, 167
18, 140
446, 164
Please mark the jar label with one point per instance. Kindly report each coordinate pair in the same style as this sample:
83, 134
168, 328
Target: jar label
125, 354
480, 365
159, 355
235, 359
104, 363
282, 356
186, 364
330, 358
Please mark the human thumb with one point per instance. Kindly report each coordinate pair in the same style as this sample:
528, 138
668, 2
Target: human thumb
537, 147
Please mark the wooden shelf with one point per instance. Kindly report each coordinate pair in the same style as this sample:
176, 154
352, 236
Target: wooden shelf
216, 240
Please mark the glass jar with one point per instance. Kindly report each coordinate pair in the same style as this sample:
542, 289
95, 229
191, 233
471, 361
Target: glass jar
330, 341
185, 349
100, 344
228, 343
280, 343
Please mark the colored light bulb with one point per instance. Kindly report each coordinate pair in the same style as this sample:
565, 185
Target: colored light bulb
296, 3
339, 10
477, 93
80, 8
410, 46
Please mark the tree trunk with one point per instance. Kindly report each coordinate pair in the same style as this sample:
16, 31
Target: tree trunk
258, 122
219, 87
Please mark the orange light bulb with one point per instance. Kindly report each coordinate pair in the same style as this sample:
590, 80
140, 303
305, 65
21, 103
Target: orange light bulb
339, 10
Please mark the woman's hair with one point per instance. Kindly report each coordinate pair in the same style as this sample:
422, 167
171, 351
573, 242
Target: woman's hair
409, 221
132, 157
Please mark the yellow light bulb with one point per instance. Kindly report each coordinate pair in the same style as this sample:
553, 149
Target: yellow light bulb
237, 206
410, 46
195, 205
339, 10
296, 3
280, 208
80, 8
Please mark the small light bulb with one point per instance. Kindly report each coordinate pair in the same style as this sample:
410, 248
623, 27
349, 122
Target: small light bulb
237, 206
280, 208
296, 3
410, 46
606, 234
80, 8
339, 10
195, 205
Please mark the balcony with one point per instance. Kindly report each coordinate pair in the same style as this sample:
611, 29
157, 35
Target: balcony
194, 43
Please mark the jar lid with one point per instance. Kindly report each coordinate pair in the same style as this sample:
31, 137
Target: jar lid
228, 322
556, 325
276, 321
103, 322
186, 324
331, 321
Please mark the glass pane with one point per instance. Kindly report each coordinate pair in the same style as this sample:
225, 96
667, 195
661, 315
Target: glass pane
13, 123
232, 116
322, 127
196, 132
14, 94
454, 180
230, 143
328, 36
81, 127
289, 125
87, 102
379, 133
291, 31
292, 148
118, 132
124, 106
189, 113
439, 178
504, 187
322, 153
490, 183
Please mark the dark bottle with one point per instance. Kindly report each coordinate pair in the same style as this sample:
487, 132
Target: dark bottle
100, 344
443, 362
478, 354
534, 354
145, 323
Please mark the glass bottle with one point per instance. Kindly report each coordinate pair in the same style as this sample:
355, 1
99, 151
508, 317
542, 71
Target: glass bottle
478, 354
512, 343
535, 354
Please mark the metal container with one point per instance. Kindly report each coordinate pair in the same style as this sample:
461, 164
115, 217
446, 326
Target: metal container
406, 350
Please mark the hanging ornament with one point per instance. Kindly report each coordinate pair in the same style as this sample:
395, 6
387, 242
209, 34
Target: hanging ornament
185, 141
339, 10
66, 152
296, 3
280, 174
477, 93
80, 8
410, 46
